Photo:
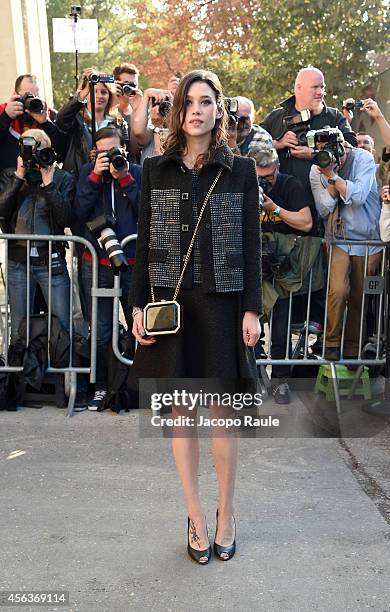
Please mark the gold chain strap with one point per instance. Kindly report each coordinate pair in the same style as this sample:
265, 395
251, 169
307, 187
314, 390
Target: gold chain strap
191, 246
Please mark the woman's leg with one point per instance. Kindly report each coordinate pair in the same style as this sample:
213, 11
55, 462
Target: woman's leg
185, 446
225, 454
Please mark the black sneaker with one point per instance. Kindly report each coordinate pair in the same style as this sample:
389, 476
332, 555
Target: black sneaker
81, 401
281, 393
97, 402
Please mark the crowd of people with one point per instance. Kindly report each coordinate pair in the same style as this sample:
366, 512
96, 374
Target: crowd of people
80, 167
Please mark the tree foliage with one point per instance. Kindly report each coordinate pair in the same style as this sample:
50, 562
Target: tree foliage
255, 46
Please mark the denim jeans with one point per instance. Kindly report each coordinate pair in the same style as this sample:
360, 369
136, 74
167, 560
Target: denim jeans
39, 275
104, 316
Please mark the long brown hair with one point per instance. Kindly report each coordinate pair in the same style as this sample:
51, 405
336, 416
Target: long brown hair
176, 140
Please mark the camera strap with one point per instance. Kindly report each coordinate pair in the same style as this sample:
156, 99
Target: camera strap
191, 245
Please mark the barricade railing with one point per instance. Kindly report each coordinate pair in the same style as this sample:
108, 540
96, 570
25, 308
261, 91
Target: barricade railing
71, 369
372, 285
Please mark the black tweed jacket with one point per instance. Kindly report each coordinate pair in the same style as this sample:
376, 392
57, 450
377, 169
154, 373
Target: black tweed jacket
229, 234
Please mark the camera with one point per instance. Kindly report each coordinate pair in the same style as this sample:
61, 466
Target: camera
265, 185
33, 156
31, 103
101, 78
231, 106
117, 158
332, 139
299, 124
164, 107
75, 10
128, 88
103, 228
350, 104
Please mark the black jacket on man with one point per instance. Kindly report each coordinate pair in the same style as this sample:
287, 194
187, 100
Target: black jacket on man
229, 234
35, 209
300, 168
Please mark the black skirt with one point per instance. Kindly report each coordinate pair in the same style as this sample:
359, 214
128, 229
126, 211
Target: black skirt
209, 345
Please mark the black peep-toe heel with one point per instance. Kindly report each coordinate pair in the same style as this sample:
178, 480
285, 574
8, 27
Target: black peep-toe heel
225, 552
195, 554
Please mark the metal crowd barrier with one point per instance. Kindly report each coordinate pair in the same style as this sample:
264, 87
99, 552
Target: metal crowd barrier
71, 369
373, 285
117, 293
377, 285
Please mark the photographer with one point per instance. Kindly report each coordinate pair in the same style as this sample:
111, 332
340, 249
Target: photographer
37, 198
345, 193
107, 199
289, 123
150, 121
371, 108
129, 97
284, 211
248, 133
74, 121
24, 110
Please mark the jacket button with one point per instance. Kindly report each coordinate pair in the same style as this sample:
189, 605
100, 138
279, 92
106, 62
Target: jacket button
185, 196
185, 227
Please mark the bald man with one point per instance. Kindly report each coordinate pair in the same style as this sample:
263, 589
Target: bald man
295, 158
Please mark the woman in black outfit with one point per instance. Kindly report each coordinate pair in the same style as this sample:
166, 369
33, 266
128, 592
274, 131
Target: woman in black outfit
220, 293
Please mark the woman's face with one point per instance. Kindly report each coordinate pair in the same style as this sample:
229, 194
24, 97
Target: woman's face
201, 110
102, 96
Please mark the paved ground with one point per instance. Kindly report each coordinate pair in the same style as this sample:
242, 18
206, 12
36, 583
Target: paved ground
91, 507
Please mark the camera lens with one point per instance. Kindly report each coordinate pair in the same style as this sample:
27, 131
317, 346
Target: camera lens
164, 108
128, 89
110, 243
45, 157
323, 158
94, 78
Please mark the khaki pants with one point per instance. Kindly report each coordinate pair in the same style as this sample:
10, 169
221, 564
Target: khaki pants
346, 284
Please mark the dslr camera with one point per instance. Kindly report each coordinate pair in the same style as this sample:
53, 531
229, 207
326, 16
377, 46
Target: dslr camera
33, 155
299, 124
350, 104
31, 103
103, 229
117, 158
164, 107
265, 185
333, 149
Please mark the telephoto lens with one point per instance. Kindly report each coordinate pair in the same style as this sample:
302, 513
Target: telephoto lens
110, 243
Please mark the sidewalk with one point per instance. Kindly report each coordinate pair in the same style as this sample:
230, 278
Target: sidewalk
92, 508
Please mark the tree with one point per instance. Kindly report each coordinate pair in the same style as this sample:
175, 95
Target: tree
255, 46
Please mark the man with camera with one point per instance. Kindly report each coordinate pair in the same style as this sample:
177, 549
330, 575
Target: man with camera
149, 121
129, 97
289, 123
248, 133
284, 211
37, 198
346, 197
107, 202
24, 110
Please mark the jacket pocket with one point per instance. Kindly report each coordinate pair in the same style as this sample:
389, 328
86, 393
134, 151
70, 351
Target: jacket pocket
235, 260
157, 255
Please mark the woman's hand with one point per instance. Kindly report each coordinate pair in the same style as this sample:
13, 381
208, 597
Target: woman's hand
250, 328
139, 332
